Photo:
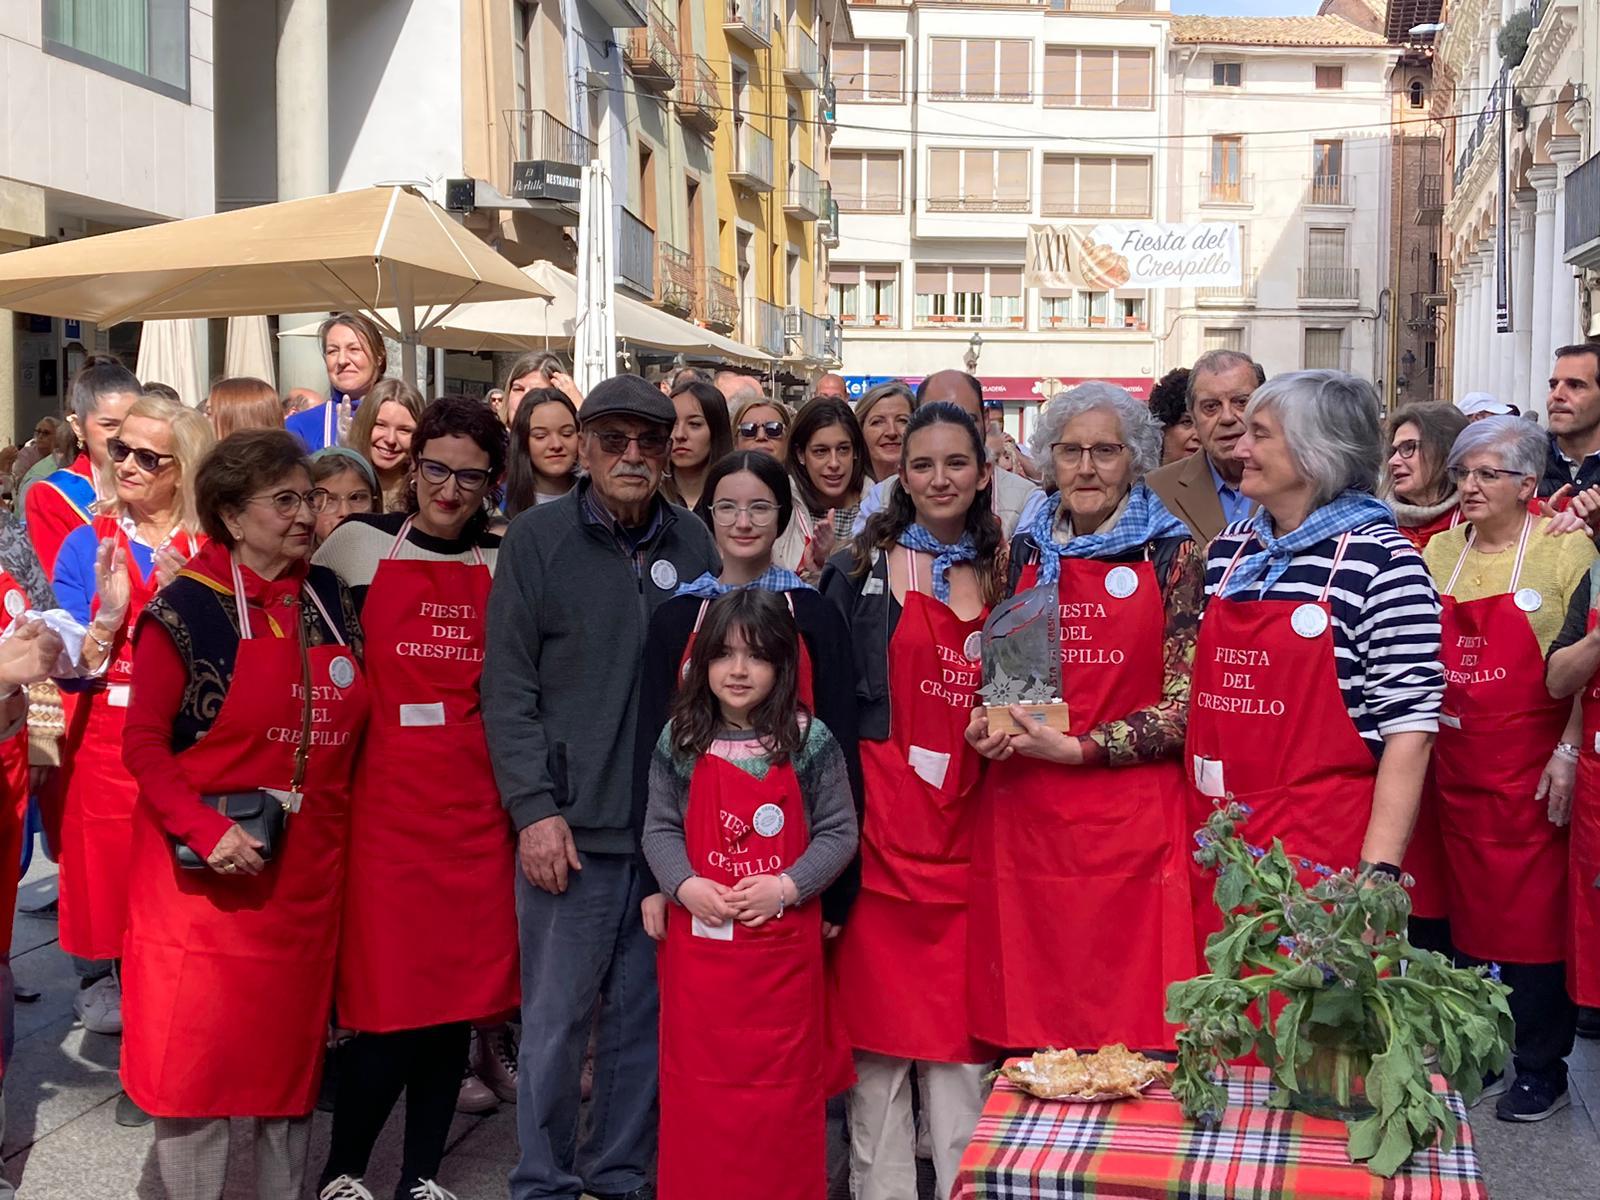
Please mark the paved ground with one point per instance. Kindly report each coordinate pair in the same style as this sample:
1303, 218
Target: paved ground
61, 1142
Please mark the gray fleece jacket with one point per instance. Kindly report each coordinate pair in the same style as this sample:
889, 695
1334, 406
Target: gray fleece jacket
566, 627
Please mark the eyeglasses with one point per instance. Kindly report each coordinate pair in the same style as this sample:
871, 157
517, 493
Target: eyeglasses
1406, 450
287, 502
321, 499
1482, 476
1102, 454
771, 429
762, 513
147, 461
468, 479
614, 441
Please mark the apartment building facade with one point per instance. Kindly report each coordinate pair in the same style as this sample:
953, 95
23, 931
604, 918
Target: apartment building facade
960, 124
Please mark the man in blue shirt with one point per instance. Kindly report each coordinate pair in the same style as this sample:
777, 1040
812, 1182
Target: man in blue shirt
1203, 489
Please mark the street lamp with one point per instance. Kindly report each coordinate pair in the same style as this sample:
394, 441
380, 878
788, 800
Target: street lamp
974, 348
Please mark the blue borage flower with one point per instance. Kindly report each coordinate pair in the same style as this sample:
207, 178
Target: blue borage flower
1286, 943
1200, 838
1256, 851
1494, 971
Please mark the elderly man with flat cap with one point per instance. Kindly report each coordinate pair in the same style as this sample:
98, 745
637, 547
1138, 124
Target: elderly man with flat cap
574, 588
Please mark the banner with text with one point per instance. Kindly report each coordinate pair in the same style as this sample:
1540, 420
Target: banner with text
1133, 254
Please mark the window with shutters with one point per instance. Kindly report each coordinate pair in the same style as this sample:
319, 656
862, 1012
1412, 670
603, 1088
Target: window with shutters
1081, 185
1222, 337
1063, 308
1227, 74
1324, 349
1225, 184
996, 69
1325, 275
1076, 77
866, 180
978, 181
869, 72
1329, 79
1328, 182
968, 295
865, 294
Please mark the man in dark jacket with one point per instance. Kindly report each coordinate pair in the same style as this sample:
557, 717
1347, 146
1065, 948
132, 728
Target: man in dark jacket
574, 588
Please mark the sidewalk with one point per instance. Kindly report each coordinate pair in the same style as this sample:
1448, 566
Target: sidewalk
61, 1142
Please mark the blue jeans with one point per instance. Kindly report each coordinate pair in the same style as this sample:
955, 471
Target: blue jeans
585, 947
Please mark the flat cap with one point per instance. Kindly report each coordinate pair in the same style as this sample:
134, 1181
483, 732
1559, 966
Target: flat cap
628, 396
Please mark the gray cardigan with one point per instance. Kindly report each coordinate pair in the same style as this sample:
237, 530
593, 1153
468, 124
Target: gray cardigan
570, 607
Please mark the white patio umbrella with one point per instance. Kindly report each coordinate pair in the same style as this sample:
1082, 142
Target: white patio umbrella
168, 354
249, 352
594, 349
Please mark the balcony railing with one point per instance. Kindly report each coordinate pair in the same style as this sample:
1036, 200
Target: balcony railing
716, 300
802, 65
675, 278
748, 22
1583, 206
1066, 206
1242, 295
804, 197
1103, 6
1430, 192
1330, 283
978, 204
812, 335
697, 94
763, 328
1227, 189
1425, 308
636, 254
1481, 129
828, 219
752, 159
538, 135
651, 53
1335, 190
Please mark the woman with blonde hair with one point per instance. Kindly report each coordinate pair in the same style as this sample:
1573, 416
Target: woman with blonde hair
382, 433
104, 575
243, 403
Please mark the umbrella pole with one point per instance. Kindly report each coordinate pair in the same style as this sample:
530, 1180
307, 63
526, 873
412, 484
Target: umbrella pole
408, 330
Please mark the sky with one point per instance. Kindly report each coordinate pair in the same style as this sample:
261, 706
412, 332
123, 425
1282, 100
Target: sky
1247, 8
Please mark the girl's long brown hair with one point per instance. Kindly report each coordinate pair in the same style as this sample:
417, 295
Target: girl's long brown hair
770, 632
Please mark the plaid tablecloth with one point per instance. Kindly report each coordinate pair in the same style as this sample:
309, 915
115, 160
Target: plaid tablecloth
1027, 1149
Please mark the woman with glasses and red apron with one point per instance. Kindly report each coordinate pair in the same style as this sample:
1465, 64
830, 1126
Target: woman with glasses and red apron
916, 588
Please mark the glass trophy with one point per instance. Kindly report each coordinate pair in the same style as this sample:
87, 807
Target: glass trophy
1021, 646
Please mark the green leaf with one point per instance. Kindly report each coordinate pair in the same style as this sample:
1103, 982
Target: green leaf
1365, 1136
1337, 1006
1394, 1150
1229, 891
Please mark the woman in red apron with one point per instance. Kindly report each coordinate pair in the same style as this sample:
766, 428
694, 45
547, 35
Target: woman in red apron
105, 574
750, 816
229, 971
915, 588
1081, 855
430, 939
1505, 760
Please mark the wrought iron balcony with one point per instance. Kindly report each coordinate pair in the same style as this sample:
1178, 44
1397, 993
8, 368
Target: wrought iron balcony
697, 95
804, 197
1227, 189
748, 22
636, 254
1335, 191
717, 300
752, 159
675, 279
1330, 283
650, 53
802, 61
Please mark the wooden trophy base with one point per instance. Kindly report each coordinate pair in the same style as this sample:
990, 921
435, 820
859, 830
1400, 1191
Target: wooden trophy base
1051, 716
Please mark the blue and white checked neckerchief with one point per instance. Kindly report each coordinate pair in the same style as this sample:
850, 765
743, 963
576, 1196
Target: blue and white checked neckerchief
773, 579
945, 556
1346, 511
1144, 520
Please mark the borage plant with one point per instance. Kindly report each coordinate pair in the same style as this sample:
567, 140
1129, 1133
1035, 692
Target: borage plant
1323, 986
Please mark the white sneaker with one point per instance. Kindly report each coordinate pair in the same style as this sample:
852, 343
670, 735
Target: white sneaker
344, 1188
427, 1189
99, 1006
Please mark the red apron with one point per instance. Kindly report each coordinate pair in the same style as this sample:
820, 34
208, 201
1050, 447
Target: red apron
1497, 728
228, 980
742, 1048
803, 674
13, 781
901, 961
99, 795
430, 932
1268, 728
1074, 868
1583, 941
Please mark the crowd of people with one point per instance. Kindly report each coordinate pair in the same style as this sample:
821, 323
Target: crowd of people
621, 755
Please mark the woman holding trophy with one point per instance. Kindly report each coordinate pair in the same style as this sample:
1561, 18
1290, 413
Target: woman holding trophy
1080, 853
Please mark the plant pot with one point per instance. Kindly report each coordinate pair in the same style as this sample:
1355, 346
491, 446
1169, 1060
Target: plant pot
1333, 1083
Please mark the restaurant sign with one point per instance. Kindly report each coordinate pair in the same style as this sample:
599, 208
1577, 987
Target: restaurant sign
542, 180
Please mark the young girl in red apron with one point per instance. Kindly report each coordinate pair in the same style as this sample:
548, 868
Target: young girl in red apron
744, 1064
1077, 867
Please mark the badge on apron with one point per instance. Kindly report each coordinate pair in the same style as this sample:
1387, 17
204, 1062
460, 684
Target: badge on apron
1122, 582
342, 672
768, 821
663, 574
1528, 600
1309, 620
973, 646
15, 604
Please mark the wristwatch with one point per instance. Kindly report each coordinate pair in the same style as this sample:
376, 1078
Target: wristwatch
1379, 868
1567, 751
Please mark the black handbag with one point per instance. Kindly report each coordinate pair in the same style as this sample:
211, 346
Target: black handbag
260, 812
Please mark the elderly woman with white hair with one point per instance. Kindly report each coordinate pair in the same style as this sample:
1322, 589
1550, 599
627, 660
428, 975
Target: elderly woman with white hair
1317, 679
1081, 848
1506, 758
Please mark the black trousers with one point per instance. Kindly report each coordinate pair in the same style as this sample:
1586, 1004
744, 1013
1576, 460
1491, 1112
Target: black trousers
1547, 1019
374, 1068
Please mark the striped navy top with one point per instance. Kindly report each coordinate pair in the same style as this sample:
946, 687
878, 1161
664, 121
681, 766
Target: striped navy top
1385, 622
